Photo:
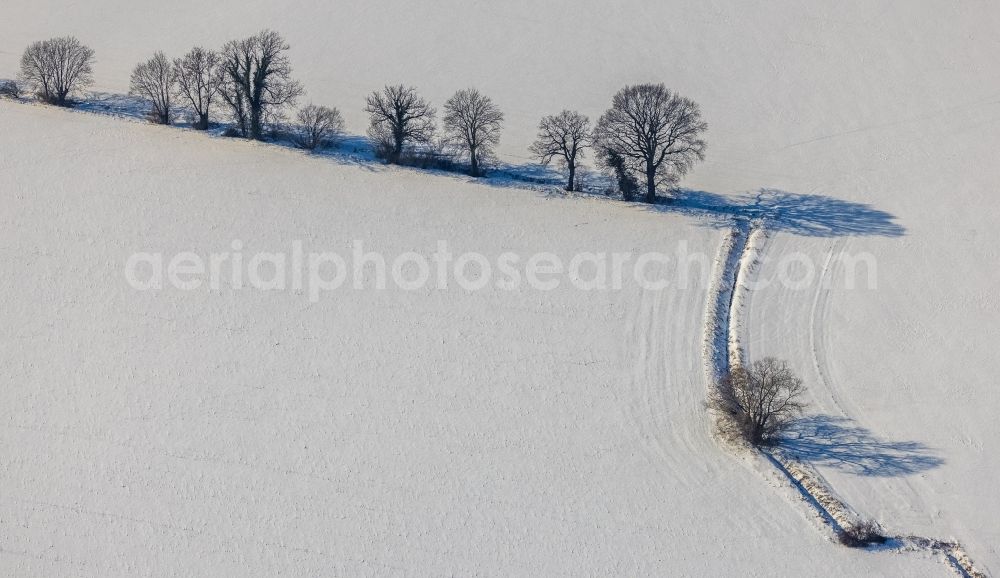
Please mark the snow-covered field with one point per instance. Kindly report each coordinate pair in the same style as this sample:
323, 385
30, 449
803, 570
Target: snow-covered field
502, 433
903, 375
371, 433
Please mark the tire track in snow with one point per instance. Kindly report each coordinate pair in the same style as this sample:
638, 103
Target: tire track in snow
738, 256
818, 332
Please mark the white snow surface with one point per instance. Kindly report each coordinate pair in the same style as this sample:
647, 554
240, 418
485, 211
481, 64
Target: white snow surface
489, 433
372, 433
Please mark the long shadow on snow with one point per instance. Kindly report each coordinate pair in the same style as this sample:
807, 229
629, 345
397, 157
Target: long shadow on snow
837, 442
806, 215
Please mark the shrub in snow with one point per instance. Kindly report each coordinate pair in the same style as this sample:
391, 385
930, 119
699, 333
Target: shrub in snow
10, 89
319, 126
861, 535
623, 179
756, 404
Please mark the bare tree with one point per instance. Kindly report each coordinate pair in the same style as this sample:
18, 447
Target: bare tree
473, 122
56, 68
257, 83
757, 403
199, 79
318, 126
564, 135
398, 116
656, 132
154, 80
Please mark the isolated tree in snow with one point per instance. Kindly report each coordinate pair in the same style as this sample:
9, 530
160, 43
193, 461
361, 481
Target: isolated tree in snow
473, 123
563, 136
257, 81
199, 78
154, 81
655, 132
318, 126
399, 116
56, 68
757, 403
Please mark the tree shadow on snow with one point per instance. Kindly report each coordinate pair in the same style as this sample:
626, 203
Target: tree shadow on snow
837, 442
806, 215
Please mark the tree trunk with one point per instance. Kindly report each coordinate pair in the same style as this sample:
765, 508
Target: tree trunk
256, 128
475, 163
651, 187
202, 123
571, 186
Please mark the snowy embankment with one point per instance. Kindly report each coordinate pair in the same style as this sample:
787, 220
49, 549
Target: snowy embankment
747, 262
739, 258
715, 348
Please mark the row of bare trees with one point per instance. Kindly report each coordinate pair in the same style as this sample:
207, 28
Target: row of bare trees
250, 77
649, 135
399, 117
647, 139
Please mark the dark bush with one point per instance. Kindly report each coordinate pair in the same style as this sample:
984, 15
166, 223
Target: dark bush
861, 535
318, 127
10, 89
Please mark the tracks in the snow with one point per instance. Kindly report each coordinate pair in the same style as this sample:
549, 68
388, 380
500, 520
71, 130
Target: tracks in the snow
739, 255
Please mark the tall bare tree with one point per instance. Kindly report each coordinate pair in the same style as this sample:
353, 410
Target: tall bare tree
199, 78
564, 135
758, 402
56, 68
318, 126
257, 81
154, 81
398, 116
656, 132
473, 122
